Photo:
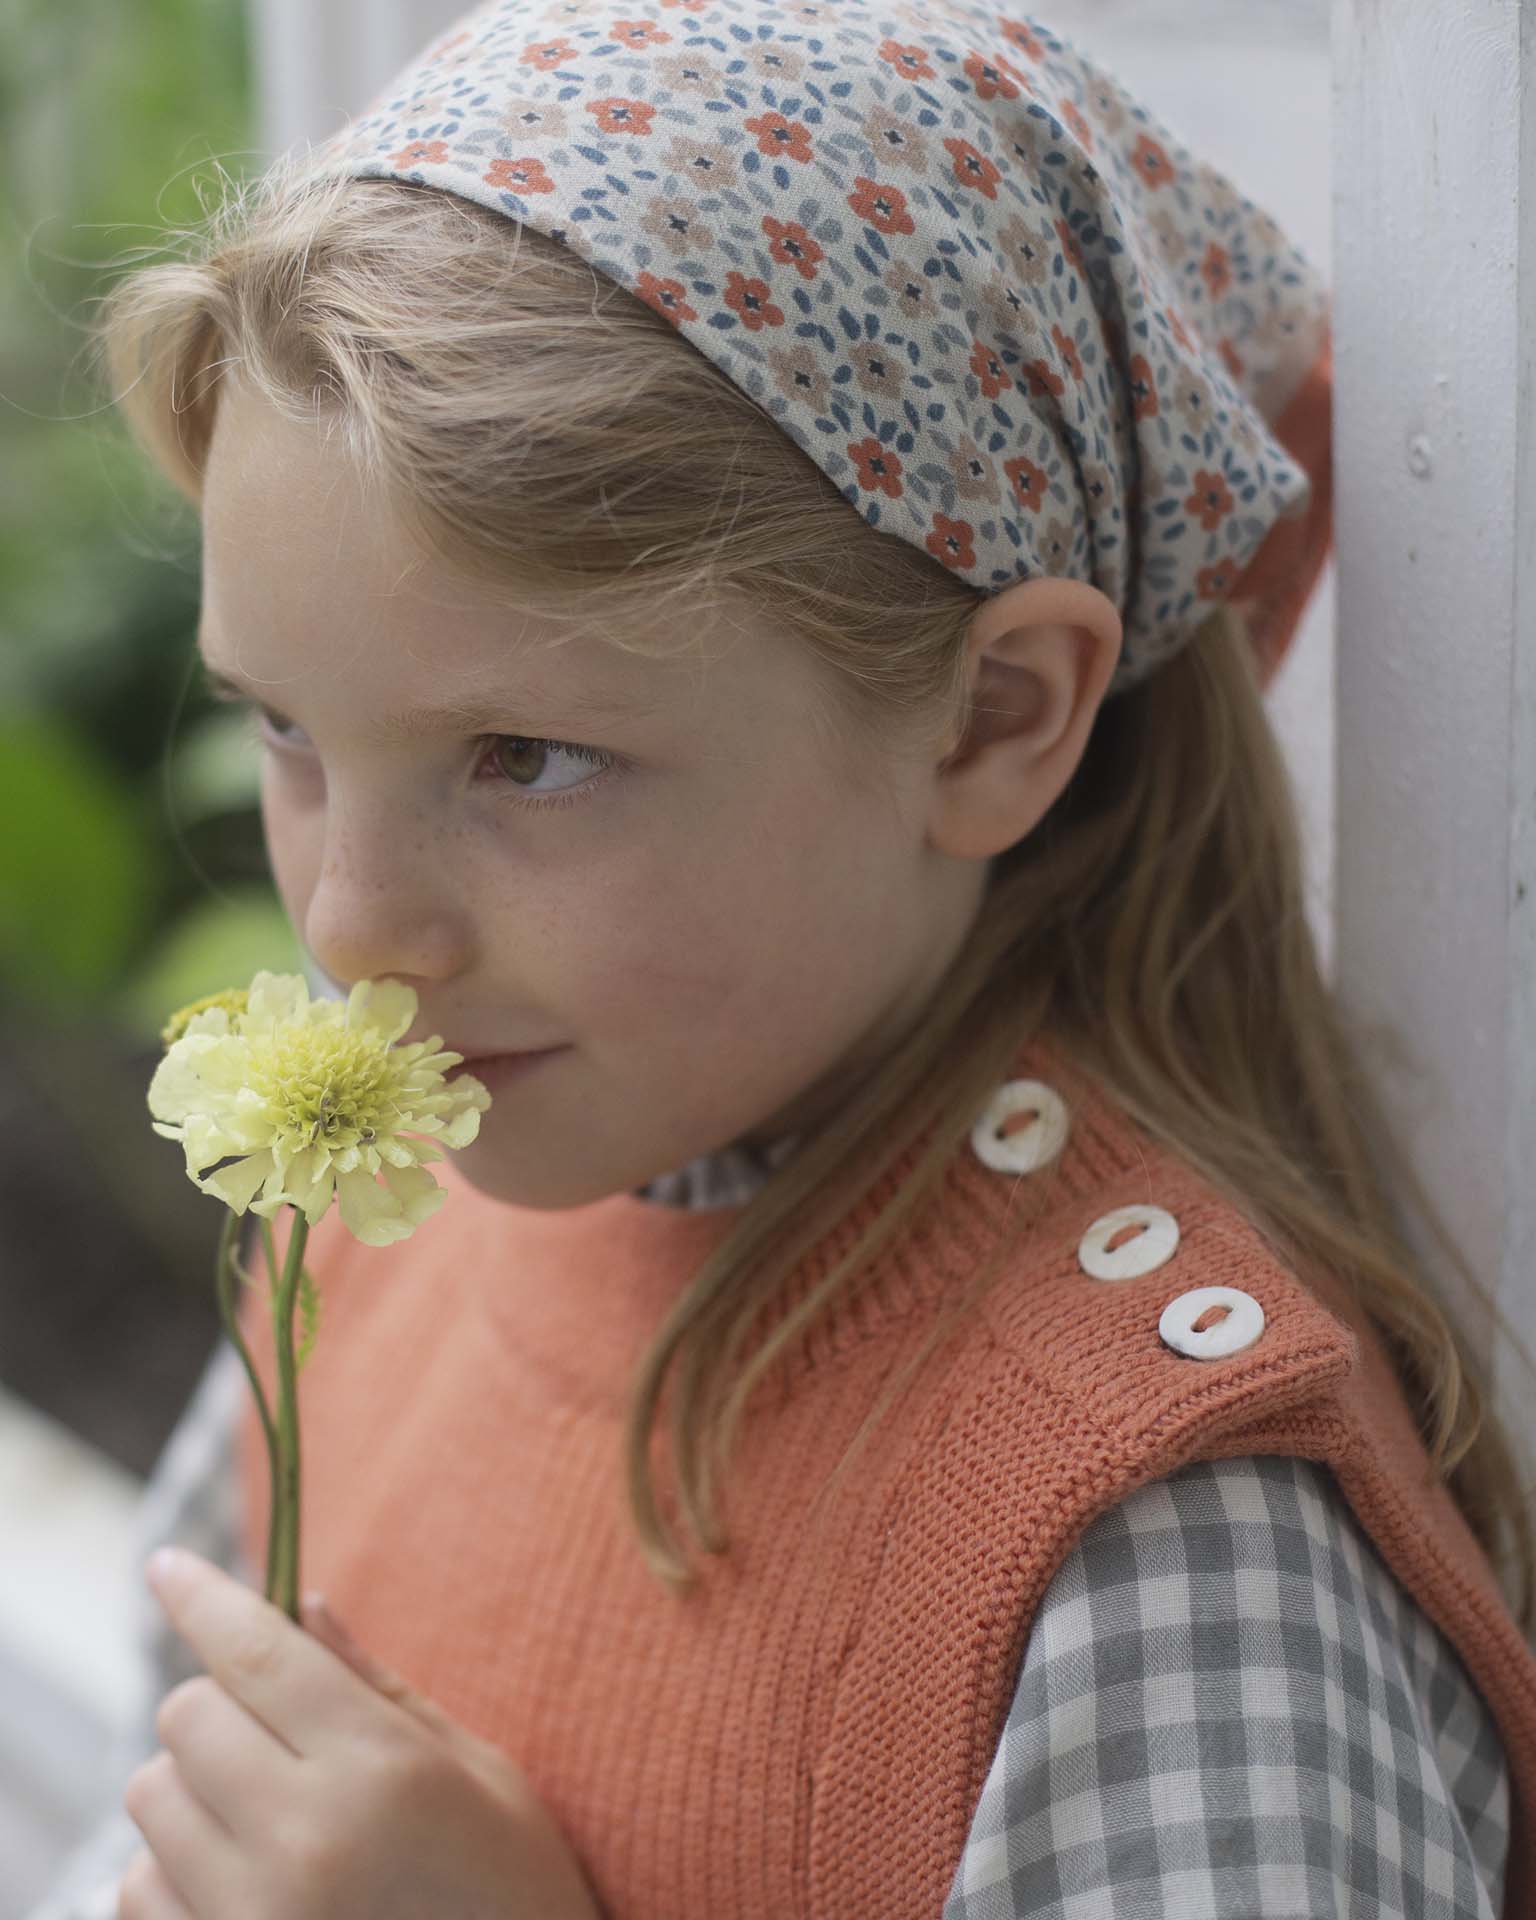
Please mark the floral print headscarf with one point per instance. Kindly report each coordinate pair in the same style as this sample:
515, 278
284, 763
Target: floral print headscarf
1012, 317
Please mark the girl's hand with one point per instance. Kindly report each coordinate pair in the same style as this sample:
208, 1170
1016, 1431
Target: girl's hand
301, 1780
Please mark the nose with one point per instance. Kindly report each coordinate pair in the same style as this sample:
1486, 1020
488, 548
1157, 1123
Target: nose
384, 904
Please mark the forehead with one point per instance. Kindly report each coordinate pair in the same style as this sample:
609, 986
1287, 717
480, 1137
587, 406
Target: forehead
297, 545
312, 588
307, 578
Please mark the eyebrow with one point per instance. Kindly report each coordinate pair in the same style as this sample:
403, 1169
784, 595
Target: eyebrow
415, 723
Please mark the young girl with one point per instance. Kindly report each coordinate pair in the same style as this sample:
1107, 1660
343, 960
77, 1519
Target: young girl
757, 535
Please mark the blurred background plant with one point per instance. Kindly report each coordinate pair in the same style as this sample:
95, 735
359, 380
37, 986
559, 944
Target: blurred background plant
132, 871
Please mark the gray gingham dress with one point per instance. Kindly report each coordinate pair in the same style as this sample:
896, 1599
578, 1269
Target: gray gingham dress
1228, 1708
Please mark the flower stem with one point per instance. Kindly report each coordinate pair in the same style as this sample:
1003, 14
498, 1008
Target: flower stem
275, 1505
283, 1578
271, 1246
230, 1313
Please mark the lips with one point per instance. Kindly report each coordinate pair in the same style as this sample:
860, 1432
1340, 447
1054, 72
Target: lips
485, 1064
497, 1053
500, 1071
471, 1052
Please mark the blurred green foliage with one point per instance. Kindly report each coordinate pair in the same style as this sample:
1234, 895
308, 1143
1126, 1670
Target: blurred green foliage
132, 872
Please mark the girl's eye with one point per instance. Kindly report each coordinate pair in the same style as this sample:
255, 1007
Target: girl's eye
514, 755
517, 750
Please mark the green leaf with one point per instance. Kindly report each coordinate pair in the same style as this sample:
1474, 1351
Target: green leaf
309, 1316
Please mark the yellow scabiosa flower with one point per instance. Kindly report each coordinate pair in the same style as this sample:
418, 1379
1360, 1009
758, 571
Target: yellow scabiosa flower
294, 1102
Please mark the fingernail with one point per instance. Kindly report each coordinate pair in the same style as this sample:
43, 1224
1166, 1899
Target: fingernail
166, 1568
322, 1612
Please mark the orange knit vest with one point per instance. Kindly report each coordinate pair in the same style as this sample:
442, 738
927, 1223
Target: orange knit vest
807, 1732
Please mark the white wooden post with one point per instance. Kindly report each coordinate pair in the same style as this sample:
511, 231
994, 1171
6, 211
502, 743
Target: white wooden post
1435, 471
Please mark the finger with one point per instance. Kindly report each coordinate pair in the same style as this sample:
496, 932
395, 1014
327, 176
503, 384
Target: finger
193, 1851
268, 1663
144, 1893
232, 1764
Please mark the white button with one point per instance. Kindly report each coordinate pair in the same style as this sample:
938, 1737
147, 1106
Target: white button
1155, 1243
1026, 1148
1230, 1333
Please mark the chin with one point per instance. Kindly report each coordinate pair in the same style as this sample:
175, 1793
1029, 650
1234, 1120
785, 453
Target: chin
522, 1186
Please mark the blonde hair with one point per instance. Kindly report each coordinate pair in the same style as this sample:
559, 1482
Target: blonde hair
539, 426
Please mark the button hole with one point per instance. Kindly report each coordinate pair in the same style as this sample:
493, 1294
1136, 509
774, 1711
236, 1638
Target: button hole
1122, 1234
1017, 1122
1213, 1314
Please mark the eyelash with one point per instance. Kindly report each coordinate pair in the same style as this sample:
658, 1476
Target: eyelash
260, 719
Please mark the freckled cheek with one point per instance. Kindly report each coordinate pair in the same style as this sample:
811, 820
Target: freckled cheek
687, 944
629, 943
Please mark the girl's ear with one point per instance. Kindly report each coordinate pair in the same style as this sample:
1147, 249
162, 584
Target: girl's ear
1041, 655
